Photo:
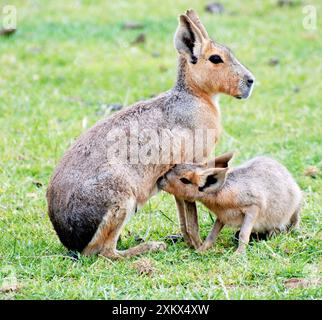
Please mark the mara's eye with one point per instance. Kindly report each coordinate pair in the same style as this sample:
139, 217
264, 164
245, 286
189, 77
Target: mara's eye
185, 181
211, 180
215, 59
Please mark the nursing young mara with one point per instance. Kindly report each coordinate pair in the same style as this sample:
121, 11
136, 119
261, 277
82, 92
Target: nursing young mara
259, 196
90, 197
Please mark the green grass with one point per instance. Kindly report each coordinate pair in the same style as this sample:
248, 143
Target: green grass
67, 60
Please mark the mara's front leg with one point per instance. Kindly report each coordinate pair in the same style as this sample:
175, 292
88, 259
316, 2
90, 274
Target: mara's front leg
251, 214
182, 221
188, 220
212, 236
192, 223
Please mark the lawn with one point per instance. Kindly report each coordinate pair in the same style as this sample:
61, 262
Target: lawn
70, 60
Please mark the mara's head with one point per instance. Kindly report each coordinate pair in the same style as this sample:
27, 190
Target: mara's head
210, 67
193, 181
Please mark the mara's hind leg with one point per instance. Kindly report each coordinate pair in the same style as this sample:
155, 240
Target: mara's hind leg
275, 232
293, 224
295, 219
105, 239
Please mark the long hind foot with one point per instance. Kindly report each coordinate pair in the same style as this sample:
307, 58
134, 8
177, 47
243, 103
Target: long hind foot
105, 239
152, 246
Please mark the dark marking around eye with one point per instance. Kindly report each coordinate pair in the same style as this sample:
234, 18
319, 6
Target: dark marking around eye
215, 59
185, 181
194, 59
210, 180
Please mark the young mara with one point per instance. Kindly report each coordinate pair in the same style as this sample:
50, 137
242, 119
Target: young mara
259, 196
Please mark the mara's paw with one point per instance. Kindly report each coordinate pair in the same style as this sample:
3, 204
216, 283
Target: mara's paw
157, 246
111, 254
240, 251
204, 247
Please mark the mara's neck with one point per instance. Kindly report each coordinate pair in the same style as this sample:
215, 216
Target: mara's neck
186, 84
182, 75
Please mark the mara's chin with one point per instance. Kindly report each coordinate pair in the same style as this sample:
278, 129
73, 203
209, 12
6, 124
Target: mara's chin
246, 94
243, 96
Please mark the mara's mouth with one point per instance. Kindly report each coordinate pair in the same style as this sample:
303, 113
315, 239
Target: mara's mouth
245, 94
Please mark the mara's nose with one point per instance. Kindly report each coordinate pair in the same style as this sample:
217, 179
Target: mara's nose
249, 81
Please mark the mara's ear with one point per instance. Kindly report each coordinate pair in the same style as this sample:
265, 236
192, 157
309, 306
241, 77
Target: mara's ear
220, 161
188, 38
211, 176
192, 14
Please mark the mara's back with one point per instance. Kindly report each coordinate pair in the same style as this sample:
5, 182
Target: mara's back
84, 183
267, 183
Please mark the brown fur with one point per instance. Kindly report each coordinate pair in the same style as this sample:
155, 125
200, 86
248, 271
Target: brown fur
259, 196
89, 198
